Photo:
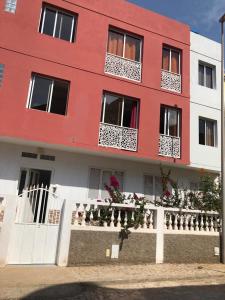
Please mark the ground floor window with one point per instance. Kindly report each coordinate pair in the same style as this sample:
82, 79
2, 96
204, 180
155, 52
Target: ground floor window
152, 187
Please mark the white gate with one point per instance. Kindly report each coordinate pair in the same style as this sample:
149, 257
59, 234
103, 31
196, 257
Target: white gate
34, 237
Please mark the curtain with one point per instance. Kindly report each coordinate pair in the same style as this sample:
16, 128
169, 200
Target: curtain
173, 122
133, 119
209, 133
175, 62
209, 77
132, 48
115, 43
201, 74
166, 59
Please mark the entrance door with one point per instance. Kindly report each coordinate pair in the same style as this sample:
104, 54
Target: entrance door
35, 232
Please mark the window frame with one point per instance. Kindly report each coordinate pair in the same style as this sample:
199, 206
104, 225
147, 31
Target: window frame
49, 101
213, 67
215, 141
122, 111
100, 184
170, 58
166, 120
154, 177
125, 34
57, 11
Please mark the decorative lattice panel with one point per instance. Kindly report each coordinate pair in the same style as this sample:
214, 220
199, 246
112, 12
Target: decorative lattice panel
118, 137
122, 67
169, 146
10, 6
170, 81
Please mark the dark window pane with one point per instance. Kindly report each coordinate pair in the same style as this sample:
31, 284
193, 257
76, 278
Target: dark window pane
22, 183
162, 120
210, 138
130, 113
113, 110
201, 75
173, 122
209, 77
175, 62
49, 22
166, 59
41, 92
132, 48
66, 27
59, 97
115, 43
201, 132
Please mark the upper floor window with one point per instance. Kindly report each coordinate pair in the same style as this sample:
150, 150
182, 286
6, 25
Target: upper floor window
207, 132
207, 75
48, 94
10, 6
170, 121
119, 110
58, 23
1, 73
97, 180
124, 45
171, 60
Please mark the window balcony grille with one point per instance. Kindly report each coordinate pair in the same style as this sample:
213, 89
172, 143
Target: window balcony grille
169, 146
122, 67
119, 137
170, 81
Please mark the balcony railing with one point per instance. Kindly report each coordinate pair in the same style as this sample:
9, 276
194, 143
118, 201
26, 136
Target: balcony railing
118, 137
170, 81
169, 146
122, 67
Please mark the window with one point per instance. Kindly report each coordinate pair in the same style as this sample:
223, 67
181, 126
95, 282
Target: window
170, 121
124, 45
119, 110
152, 187
1, 73
48, 94
97, 180
207, 132
207, 75
171, 60
10, 6
58, 24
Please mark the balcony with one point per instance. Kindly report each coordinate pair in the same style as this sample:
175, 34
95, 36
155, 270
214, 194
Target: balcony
118, 137
169, 146
122, 67
170, 81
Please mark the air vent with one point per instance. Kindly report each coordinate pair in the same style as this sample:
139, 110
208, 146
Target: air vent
47, 157
1, 73
29, 155
10, 6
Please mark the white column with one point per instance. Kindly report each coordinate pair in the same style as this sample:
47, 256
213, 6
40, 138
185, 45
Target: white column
160, 235
7, 227
64, 234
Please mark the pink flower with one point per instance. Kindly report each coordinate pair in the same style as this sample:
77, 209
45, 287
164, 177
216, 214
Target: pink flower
114, 182
167, 193
136, 197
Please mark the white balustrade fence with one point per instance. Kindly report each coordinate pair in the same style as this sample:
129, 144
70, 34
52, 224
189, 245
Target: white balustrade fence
170, 81
169, 146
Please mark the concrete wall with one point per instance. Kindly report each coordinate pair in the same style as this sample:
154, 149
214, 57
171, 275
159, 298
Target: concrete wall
205, 102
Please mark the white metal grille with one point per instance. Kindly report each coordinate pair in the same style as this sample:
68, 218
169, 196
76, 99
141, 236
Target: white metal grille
170, 81
123, 67
10, 6
169, 146
118, 137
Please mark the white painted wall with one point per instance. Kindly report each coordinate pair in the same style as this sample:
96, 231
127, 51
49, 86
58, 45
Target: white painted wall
205, 102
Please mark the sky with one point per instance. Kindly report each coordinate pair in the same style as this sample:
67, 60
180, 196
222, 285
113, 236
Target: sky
201, 15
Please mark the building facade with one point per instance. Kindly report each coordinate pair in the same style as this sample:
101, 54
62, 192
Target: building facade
91, 89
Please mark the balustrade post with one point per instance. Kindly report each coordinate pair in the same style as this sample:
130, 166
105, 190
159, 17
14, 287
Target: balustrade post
160, 235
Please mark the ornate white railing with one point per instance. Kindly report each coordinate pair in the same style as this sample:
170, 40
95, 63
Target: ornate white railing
85, 216
192, 221
170, 81
118, 137
169, 146
119, 66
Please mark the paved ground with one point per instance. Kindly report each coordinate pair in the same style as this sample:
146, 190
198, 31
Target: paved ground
136, 282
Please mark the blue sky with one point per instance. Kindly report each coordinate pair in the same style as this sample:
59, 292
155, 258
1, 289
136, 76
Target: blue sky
201, 15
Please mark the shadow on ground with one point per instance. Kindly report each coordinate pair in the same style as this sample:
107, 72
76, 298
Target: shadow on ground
90, 291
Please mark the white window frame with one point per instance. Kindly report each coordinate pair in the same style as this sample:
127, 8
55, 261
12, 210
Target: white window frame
154, 196
31, 89
122, 111
113, 171
170, 59
166, 120
57, 11
204, 64
214, 131
124, 43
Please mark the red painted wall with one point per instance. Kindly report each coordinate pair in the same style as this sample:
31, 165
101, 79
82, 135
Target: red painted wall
24, 50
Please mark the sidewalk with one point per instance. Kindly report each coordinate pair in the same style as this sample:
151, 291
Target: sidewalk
158, 282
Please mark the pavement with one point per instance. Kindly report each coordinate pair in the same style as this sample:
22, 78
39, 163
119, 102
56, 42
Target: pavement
112, 282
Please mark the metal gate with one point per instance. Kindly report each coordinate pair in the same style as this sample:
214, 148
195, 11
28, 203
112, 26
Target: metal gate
35, 232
